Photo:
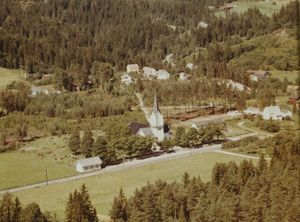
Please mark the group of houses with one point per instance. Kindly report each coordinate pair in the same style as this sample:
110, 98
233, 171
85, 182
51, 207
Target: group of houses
151, 73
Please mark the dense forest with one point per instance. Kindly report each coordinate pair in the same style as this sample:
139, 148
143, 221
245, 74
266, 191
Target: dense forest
268, 191
40, 36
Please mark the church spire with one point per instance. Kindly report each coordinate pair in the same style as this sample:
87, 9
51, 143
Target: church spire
155, 104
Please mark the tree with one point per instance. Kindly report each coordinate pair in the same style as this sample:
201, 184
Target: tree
32, 212
75, 142
119, 210
79, 207
87, 143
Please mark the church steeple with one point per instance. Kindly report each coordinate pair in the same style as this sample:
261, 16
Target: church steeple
155, 104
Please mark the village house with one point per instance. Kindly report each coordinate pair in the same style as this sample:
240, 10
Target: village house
274, 113
256, 75
132, 68
149, 72
162, 74
156, 129
126, 79
88, 164
183, 76
202, 25
190, 66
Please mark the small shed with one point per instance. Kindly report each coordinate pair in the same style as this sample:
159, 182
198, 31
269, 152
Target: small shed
88, 164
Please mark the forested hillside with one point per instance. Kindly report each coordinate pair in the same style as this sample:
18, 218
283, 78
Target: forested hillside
42, 35
269, 191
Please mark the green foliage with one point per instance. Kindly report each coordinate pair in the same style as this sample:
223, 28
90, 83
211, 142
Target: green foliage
270, 126
79, 207
243, 192
119, 209
74, 142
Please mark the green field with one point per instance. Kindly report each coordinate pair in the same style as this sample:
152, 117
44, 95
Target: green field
17, 169
290, 75
9, 75
102, 188
266, 7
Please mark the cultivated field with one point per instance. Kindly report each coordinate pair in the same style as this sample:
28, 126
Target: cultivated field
9, 75
17, 169
103, 188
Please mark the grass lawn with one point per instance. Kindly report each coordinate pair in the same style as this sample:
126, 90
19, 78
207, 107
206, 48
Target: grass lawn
290, 75
17, 169
104, 187
9, 75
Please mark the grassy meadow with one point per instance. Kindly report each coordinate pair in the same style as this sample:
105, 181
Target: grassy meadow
104, 187
266, 7
17, 169
9, 75
290, 75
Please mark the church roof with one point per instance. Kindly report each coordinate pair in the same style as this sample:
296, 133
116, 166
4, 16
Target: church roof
136, 126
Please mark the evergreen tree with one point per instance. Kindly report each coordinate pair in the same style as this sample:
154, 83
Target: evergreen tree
87, 143
119, 211
75, 142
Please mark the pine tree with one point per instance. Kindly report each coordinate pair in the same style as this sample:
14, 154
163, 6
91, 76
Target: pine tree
87, 143
79, 207
119, 210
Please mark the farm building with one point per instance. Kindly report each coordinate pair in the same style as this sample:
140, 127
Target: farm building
37, 90
132, 68
252, 111
88, 164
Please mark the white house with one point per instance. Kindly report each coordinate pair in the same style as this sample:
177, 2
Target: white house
126, 79
149, 72
132, 68
183, 76
88, 164
202, 25
190, 66
162, 74
274, 113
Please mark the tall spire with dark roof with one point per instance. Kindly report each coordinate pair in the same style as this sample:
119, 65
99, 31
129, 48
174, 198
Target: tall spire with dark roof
155, 104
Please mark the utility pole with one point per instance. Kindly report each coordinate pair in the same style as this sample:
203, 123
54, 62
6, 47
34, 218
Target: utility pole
46, 176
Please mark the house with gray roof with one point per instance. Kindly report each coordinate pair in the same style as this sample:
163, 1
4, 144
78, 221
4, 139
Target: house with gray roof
88, 164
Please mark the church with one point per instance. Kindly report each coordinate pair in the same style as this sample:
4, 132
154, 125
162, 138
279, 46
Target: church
156, 127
